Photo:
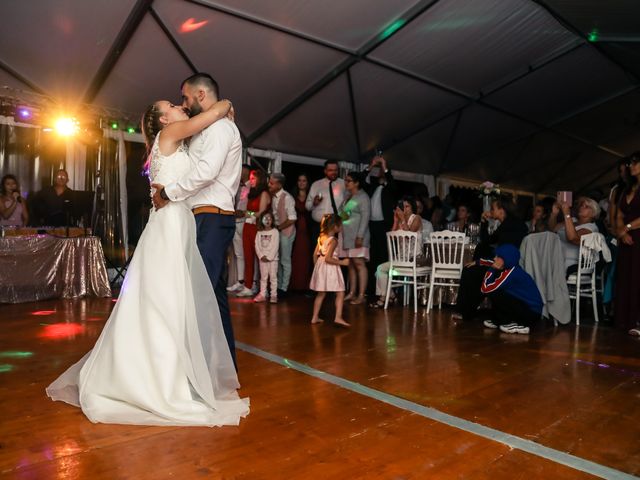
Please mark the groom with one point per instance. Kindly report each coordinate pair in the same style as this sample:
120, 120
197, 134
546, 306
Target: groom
210, 186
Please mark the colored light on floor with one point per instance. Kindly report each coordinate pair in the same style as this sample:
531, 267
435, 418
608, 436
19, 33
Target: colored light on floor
61, 330
5, 367
43, 312
15, 354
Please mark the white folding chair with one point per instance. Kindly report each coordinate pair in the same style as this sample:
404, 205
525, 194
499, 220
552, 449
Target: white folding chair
447, 250
403, 269
583, 282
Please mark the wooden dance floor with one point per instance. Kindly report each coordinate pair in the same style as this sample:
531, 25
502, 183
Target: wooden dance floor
398, 396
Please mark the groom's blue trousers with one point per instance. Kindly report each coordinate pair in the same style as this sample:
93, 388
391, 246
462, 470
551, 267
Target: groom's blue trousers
214, 235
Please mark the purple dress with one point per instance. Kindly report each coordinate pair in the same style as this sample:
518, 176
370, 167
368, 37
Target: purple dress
627, 300
15, 220
327, 277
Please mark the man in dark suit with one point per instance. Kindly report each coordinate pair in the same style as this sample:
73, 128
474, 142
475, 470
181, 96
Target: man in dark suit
382, 189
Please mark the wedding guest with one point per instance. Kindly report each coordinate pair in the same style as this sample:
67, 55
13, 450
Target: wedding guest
571, 230
284, 211
267, 247
301, 257
13, 208
462, 220
54, 204
355, 236
258, 201
510, 231
427, 228
405, 219
242, 197
538, 219
615, 194
325, 196
627, 300
327, 276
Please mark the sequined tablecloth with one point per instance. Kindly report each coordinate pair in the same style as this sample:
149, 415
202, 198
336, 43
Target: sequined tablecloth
40, 267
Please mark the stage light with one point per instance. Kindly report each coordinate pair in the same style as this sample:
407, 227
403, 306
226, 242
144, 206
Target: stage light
66, 127
131, 130
24, 113
114, 125
190, 25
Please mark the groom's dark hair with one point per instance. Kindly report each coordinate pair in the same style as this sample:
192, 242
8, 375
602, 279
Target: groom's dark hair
203, 80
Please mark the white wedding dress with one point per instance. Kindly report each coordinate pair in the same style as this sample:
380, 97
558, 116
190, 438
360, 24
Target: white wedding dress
162, 357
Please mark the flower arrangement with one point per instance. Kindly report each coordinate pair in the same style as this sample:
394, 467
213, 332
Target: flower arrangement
489, 189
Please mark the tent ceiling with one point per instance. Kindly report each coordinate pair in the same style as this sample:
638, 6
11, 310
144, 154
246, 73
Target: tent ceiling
540, 94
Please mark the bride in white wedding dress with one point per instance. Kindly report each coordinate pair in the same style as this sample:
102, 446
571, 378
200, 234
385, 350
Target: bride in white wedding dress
162, 357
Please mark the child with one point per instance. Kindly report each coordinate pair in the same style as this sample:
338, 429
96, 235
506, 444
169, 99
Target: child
515, 299
267, 245
327, 276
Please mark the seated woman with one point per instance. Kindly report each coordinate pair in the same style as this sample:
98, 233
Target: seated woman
406, 219
571, 230
510, 231
13, 208
462, 220
427, 227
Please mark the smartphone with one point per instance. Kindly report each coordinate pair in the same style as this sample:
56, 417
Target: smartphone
565, 197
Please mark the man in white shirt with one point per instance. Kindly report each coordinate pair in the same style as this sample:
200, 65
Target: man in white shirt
284, 212
322, 200
242, 197
210, 188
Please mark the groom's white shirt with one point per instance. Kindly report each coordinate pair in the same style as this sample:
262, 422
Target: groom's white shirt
216, 166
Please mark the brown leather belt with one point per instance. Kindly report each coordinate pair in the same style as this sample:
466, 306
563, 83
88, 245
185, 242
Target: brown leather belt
212, 209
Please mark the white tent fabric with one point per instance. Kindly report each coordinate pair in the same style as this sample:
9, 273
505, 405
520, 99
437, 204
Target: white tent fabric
537, 94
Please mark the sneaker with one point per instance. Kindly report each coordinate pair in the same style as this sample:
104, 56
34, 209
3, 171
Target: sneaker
274, 300
235, 287
259, 298
514, 328
490, 324
245, 292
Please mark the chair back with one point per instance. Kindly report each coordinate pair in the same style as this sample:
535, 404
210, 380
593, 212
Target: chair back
403, 248
588, 256
447, 250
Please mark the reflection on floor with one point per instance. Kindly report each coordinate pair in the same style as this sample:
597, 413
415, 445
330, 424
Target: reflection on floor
572, 389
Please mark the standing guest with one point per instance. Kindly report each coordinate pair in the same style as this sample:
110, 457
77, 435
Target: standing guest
258, 201
327, 276
284, 211
267, 246
302, 250
570, 231
325, 196
13, 208
516, 302
355, 236
627, 300
616, 192
242, 197
381, 187
53, 204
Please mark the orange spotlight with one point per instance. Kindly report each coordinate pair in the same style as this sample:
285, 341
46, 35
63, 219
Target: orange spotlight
66, 127
191, 25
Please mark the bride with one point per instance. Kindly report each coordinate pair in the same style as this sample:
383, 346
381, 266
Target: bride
162, 357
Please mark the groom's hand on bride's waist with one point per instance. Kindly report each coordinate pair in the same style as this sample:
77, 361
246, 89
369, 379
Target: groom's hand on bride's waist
159, 197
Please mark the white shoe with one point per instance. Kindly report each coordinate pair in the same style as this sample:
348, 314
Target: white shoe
245, 292
514, 328
235, 287
489, 324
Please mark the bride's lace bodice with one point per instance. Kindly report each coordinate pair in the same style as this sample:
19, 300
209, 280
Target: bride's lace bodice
165, 169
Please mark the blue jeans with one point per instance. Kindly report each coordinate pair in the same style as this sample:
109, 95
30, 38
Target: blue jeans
214, 235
